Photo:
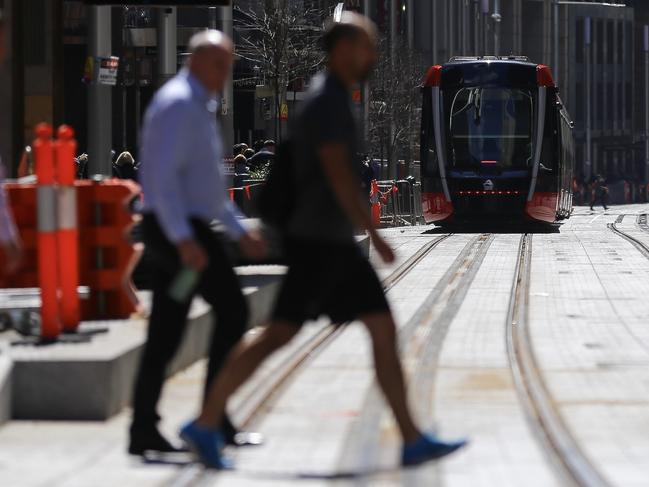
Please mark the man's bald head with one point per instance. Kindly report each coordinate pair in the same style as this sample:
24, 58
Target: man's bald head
211, 58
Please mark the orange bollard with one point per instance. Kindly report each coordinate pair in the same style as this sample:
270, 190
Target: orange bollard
67, 234
46, 211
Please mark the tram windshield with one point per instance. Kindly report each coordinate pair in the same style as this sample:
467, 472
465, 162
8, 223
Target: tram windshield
489, 127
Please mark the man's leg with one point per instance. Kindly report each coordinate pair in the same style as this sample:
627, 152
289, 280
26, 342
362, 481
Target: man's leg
166, 327
221, 288
389, 372
240, 365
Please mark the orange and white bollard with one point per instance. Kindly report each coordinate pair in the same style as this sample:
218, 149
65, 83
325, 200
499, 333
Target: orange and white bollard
46, 225
67, 233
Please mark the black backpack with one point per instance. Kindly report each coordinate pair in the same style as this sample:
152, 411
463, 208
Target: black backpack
277, 198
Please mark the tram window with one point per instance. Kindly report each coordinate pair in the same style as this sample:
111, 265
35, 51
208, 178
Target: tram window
429, 164
550, 149
489, 126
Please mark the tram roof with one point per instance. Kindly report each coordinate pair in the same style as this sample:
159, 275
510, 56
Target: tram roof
495, 71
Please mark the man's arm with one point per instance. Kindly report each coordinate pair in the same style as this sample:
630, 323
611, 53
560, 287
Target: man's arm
336, 163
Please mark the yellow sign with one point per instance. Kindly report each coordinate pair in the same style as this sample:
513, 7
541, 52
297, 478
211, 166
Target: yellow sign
283, 114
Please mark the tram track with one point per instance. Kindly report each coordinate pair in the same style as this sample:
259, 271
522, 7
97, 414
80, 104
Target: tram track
261, 400
637, 243
570, 463
421, 339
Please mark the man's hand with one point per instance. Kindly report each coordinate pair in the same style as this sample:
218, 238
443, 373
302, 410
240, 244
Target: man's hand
381, 246
192, 255
13, 254
253, 246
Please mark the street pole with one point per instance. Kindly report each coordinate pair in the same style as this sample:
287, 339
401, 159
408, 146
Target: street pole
496, 16
589, 142
392, 164
221, 19
555, 39
167, 44
646, 103
476, 28
485, 24
100, 114
366, 91
465, 27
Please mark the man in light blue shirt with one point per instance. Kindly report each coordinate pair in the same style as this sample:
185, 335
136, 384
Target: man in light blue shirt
184, 190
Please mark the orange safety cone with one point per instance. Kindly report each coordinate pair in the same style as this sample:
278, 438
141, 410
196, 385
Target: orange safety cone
67, 232
46, 211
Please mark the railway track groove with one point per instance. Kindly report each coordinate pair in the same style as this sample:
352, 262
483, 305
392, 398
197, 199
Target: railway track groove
568, 459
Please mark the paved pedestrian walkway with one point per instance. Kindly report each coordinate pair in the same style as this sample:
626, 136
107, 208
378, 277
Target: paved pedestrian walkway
328, 425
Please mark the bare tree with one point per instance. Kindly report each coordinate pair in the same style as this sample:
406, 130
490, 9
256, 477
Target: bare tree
280, 37
395, 104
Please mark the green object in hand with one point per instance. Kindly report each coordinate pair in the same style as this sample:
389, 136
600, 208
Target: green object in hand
183, 284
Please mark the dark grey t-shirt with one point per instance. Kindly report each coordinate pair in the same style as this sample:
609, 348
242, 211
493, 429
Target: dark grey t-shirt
325, 117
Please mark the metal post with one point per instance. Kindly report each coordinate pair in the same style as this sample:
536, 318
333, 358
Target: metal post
450, 13
392, 164
100, 115
587, 62
555, 38
465, 27
497, 17
646, 103
366, 91
476, 28
411, 23
167, 44
224, 15
485, 24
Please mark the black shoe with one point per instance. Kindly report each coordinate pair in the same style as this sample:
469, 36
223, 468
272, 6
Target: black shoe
151, 441
234, 437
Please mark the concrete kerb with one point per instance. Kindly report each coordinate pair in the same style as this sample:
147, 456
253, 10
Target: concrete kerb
93, 381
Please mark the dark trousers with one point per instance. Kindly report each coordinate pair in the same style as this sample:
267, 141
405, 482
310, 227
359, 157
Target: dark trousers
218, 285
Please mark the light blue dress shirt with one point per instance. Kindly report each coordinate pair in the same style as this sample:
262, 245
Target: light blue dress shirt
181, 153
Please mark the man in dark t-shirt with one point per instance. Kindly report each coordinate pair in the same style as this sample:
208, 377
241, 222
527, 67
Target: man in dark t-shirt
327, 272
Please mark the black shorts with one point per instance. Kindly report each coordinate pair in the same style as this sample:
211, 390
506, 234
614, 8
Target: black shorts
329, 279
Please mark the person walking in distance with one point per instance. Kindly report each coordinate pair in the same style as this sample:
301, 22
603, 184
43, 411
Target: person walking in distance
9, 239
598, 192
327, 274
183, 187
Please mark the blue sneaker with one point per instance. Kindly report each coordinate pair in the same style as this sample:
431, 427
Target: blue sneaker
207, 444
428, 447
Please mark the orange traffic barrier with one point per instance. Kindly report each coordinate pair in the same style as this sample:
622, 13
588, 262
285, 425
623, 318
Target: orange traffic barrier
67, 233
106, 253
46, 220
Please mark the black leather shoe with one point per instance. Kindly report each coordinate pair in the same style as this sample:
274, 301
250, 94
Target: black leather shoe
142, 442
233, 437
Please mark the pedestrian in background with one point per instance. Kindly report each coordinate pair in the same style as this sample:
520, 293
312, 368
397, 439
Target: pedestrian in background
9, 238
327, 273
184, 191
265, 156
248, 153
598, 192
124, 167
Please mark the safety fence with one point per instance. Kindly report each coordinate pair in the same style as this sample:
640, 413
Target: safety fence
396, 203
74, 234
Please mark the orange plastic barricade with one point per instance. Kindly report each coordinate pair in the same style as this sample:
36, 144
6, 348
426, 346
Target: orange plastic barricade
67, 233
22, 199
107, 255
46, 219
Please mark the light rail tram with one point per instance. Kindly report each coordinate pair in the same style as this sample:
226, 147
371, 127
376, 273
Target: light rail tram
496, 142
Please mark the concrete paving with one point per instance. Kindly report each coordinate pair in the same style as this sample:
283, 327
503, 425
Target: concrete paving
589, 326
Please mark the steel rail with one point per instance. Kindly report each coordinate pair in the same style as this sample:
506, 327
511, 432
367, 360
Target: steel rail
263, 401
568, 459
638, 244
